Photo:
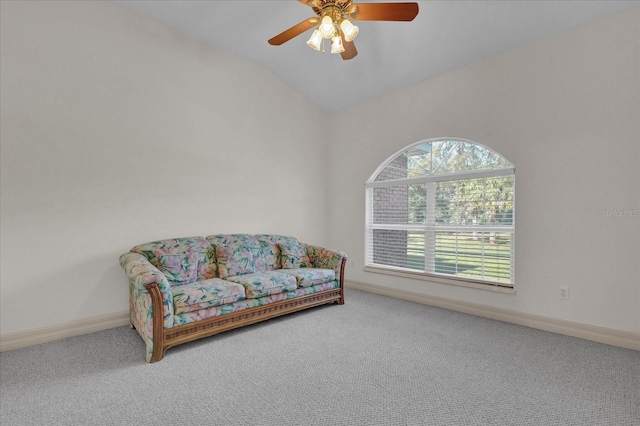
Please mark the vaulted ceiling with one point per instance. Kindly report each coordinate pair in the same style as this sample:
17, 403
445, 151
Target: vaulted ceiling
444, 36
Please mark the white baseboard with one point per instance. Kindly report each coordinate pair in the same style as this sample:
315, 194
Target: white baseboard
36, 336
608, 336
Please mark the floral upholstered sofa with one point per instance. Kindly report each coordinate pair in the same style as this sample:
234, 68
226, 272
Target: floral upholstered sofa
184, 289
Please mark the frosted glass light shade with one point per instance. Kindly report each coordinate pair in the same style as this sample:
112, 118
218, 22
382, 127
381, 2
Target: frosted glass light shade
350, 31
336, 45
326, 27
315, 40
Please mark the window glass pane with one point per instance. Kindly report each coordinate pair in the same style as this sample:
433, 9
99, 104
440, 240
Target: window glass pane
445, 156
402, 204
419, 160
391, 205
415, 250
498, 199
399, 248
482, 201
483, 255
458, 156
417, 203
441, 157
396, 169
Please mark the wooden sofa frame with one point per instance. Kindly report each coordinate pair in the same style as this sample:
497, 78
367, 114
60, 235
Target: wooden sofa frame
164, 339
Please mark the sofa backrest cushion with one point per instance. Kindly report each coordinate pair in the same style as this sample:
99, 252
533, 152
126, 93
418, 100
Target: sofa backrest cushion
286, 252
178, 268
181, 260
237, 254
234, 259
293, 254
270, 250
270, 253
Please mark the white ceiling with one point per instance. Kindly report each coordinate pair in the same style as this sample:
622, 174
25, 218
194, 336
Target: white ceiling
391, 55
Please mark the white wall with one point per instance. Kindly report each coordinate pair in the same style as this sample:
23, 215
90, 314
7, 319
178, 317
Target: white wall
566, 112
116, 131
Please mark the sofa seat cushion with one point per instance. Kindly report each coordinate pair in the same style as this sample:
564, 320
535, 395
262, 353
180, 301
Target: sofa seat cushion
307, 277
266, 283
205, 294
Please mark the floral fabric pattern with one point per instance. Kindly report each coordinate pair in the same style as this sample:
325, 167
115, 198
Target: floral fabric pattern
293, 254
189, 317
313, 289
271, 249
246, 241
270, 253
141, 317
234, 259
307, 277
326, 258
178, 268
140, 273
188, 247
204, 294
266, 283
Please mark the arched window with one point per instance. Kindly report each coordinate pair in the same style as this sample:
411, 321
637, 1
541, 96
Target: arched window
443, 209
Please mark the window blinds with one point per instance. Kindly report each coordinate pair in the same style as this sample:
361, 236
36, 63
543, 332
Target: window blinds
457, 225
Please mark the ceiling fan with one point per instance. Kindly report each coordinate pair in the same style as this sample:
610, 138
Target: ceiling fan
333, 22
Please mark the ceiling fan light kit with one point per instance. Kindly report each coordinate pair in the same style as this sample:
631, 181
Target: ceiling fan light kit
349, 30
332, 22
315, 40
336, 45
327, 27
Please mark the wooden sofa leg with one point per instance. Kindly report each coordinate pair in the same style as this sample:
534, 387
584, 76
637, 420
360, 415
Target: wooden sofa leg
157, 354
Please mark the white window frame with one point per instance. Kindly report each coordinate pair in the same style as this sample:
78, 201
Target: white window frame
430, 228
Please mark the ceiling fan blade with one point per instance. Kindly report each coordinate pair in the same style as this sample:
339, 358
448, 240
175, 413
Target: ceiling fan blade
293, 31
349, 48
386, 11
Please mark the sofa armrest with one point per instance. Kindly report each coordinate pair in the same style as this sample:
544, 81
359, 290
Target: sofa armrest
326, 258
143, 276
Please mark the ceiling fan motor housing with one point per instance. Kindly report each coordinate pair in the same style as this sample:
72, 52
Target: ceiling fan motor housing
335, 9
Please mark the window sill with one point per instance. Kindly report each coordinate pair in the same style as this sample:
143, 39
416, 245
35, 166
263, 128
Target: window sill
405, 273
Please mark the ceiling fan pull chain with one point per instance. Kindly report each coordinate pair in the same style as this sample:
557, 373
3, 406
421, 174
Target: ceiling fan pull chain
323, 46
